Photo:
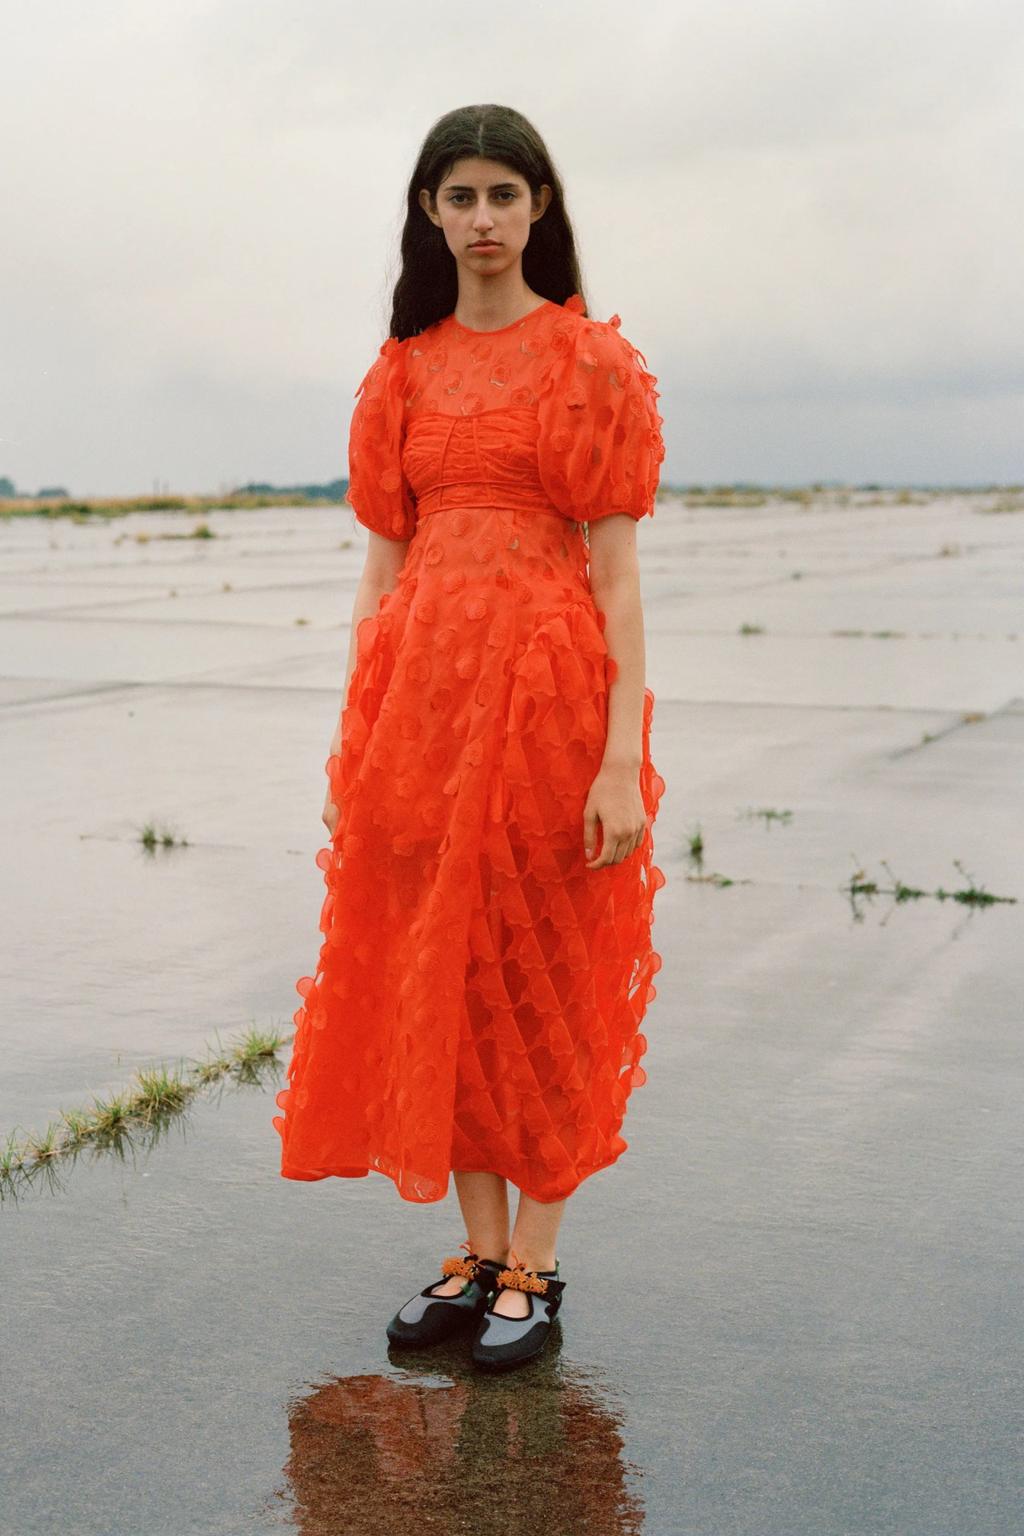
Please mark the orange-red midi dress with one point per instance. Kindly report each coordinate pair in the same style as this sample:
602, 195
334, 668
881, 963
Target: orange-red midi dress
479, 993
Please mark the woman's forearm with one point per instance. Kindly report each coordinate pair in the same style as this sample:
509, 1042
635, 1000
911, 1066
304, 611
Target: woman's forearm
619, 600
367, 601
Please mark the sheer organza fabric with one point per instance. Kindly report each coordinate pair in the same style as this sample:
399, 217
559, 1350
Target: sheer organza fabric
479, 993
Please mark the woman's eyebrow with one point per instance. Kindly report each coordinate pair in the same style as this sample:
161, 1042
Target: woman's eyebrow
497, 186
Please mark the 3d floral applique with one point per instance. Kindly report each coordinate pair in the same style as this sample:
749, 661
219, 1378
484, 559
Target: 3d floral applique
519, 1278
376, 489
456, 1265
477, 705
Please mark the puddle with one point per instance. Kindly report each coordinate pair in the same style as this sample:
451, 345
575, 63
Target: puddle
792, 1307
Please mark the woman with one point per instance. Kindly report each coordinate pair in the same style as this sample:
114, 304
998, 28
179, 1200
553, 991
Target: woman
487, 955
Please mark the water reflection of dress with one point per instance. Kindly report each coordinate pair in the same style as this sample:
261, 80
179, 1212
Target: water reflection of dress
380, 1456
479, 993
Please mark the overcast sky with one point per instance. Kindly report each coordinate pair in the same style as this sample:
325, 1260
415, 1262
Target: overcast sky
806, 212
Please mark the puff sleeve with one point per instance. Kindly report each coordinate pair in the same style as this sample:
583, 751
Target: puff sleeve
600, 446
378, 491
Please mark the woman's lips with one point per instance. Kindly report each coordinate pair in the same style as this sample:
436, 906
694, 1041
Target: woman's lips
485, 245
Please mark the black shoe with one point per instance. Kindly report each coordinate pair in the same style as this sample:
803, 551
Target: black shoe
426, 1318
502, 1342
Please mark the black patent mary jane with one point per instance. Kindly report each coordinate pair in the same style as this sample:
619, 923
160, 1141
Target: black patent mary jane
427, 1318
504, 1342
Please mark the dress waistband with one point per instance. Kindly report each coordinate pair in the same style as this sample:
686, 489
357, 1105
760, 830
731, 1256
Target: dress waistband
484, 495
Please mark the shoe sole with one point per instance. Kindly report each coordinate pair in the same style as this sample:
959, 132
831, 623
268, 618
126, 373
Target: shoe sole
507, 1365
405, 1341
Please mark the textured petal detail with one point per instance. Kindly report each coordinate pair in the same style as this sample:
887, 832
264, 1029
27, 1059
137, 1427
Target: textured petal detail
600, 447
479, 994
377, 489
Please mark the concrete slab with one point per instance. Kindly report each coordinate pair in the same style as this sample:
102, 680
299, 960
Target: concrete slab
793, 1305
322, 603
106, 650
907, 674
822, 1173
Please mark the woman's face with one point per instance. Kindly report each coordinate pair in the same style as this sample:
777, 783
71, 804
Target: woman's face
485, 210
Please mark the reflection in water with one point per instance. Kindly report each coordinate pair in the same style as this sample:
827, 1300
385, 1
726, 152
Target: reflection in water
445, 1449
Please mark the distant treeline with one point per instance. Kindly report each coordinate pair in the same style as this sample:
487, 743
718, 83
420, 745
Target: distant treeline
333, 490
8, 492
54, 501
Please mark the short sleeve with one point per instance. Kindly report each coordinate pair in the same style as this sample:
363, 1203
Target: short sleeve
600, 446
378, 491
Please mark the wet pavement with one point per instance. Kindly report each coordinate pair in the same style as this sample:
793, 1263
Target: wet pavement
795, 1304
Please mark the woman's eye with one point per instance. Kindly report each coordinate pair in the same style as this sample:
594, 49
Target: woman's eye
458, 197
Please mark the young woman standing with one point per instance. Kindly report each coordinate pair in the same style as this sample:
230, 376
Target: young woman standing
487, 957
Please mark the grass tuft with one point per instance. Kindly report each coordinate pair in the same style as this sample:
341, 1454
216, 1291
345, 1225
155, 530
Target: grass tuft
695, 845
970, 895
146, 1107
899, 890
767, 814
150, 836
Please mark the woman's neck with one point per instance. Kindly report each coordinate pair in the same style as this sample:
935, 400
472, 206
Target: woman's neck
489, 304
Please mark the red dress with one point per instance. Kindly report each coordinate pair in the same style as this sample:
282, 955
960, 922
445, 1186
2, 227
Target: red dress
479, 993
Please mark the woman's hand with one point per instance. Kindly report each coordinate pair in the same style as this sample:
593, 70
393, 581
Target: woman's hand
614, 801
330, 816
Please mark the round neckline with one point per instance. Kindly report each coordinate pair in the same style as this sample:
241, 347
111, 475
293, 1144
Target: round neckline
501, 329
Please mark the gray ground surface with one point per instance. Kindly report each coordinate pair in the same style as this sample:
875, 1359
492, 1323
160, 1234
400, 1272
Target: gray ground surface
793, 1306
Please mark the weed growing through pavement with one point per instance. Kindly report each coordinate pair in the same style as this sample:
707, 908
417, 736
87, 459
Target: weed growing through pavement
151, 837
968, 717
143, 535
137, 1114
970, 895
767, 814
695, 850
695, 846
973, 895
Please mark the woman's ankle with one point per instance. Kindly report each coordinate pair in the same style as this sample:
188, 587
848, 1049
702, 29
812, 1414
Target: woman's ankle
535, 1259
497, 1253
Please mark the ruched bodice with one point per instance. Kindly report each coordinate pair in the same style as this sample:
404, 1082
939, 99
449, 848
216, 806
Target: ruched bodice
484, 460
479, 994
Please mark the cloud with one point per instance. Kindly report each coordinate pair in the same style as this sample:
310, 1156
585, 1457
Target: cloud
786, 202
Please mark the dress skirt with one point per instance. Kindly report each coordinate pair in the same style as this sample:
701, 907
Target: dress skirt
479, 993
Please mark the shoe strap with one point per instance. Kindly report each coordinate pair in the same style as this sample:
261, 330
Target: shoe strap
518, 1278
468, 1267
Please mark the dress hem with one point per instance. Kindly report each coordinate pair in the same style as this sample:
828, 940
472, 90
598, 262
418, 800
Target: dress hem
307, 1176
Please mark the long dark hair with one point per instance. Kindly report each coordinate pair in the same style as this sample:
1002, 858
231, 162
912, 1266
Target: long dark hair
427, 287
